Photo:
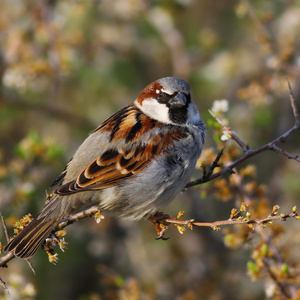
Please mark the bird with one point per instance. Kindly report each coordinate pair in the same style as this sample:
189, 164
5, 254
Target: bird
133, 164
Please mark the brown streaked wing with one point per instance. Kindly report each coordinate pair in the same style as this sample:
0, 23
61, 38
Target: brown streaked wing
114, 165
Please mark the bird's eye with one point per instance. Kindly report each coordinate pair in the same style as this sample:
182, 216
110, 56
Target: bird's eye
163, 97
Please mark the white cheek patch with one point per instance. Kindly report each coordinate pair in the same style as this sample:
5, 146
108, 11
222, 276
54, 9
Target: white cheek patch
155, 110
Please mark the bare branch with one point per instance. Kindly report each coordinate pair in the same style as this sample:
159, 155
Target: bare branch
294, 106
30, 266
248, 152
6, 258
285, 153
233, 221
5, 228
4, 286
208, 176
76, 217
231, 133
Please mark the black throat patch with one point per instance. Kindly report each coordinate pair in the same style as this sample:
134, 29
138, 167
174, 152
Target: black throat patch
180, 115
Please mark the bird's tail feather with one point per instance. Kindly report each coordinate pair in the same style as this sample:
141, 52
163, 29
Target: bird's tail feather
26, 243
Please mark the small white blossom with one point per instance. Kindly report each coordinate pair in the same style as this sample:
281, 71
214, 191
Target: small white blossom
14, 78
220, 106
270, 289
98, 217
226, 136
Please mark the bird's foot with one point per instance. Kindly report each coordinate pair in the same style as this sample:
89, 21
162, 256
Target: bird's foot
158, 220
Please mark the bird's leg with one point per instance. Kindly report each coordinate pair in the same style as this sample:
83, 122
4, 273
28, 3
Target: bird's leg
158, 220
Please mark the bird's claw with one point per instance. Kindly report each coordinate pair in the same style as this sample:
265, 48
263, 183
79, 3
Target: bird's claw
160, 225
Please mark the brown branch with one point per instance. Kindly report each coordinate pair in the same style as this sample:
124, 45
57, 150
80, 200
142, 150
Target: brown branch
294, 106
76, 217
4, 286
215, 225
250, 152
5, 228
30, 266
231, 133
233, 221
6, 258
208, 176
2, 282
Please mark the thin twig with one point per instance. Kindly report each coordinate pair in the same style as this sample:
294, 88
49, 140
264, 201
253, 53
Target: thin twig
30, 266
6, 258
250, 152
78, 216
227, 169
285, 153
294, 106
209, 169
231, 132
83, 214
4, 286
244, 221
5, 228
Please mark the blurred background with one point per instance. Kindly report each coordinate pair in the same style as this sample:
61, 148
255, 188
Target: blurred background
66, 66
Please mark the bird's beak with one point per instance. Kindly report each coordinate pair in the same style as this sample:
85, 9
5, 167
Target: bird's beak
179, 100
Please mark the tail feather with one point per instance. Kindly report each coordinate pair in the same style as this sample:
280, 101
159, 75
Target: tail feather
27, 242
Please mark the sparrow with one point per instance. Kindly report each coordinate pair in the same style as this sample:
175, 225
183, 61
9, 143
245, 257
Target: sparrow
134, 163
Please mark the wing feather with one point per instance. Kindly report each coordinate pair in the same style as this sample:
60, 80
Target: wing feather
125, 158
